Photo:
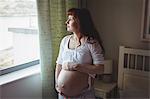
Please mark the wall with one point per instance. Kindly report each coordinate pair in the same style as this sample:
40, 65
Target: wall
26, 88
119, 23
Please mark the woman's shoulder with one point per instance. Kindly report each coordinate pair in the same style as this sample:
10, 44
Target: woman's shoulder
65, 38
93, 43
91, 40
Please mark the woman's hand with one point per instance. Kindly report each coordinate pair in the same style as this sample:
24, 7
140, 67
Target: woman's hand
69, 66
57, 88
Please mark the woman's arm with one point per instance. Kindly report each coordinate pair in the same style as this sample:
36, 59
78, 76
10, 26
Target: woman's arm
90, 69
85, 68
57, 71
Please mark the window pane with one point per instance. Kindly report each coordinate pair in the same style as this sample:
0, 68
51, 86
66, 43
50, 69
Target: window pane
18, 32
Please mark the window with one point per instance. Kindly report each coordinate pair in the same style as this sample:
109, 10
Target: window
19, 43
145, 27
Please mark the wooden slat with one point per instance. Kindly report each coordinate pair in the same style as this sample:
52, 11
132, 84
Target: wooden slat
128, 60
143, 65
136, 72
135, 61
137, 51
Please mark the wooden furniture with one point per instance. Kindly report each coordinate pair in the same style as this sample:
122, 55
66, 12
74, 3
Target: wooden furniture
105, 90
133, 73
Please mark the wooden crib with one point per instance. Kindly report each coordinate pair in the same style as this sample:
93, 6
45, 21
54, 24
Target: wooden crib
134, 73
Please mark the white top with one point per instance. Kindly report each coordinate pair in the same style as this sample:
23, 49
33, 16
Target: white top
87, 53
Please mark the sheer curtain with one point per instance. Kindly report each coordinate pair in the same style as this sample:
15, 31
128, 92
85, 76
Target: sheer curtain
51, 19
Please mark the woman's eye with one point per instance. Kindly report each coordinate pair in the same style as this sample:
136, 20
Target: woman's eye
68, 20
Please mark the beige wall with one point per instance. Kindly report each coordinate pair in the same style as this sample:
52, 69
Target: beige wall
119, 23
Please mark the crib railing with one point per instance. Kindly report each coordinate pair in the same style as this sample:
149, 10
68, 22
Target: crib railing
133, 61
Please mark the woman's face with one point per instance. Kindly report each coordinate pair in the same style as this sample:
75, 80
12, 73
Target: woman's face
72, 24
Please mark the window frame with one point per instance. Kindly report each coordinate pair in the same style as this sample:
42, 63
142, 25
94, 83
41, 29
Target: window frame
19, 67
145, 21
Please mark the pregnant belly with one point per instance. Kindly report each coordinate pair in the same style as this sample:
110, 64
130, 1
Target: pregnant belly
72, 83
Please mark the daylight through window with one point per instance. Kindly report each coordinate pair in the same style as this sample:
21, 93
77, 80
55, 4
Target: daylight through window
18, 32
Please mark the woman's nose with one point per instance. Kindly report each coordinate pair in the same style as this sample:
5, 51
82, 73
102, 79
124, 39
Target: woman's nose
67, 22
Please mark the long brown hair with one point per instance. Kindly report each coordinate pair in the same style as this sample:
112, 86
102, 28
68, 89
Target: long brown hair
87, 27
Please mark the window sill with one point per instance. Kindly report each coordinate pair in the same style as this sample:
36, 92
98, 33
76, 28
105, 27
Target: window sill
16, 75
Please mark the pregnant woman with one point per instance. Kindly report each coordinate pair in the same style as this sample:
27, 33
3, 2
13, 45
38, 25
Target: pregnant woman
80, 57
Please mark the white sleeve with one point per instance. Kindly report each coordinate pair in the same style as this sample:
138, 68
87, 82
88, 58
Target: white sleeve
61, 48
96, 52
